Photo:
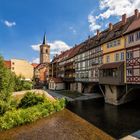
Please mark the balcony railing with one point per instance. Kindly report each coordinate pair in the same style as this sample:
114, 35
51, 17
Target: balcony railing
94, 79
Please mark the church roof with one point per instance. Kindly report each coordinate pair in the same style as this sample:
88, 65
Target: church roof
44, 40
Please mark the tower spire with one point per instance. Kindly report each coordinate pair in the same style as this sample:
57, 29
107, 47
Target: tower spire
44, 39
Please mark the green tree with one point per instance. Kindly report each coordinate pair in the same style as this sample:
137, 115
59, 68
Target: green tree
21, 84
6, 82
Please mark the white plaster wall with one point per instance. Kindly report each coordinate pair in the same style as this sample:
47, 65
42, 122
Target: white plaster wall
73, 86
60, 86
80, 87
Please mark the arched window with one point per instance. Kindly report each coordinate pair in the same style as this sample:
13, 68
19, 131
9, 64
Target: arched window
46, 51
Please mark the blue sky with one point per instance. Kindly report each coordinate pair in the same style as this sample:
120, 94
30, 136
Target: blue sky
66, 23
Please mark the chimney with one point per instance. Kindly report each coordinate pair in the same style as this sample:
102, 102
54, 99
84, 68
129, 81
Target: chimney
89, 38
136, 13
110, 26
98, 32
124, 18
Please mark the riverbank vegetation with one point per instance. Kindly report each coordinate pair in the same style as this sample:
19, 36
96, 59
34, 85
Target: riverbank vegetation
32, 106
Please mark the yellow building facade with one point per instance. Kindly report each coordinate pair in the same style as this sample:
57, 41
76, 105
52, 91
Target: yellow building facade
114, 51
22, 68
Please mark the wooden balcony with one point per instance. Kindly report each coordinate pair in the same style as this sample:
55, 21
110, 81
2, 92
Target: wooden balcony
112, 73
93, 79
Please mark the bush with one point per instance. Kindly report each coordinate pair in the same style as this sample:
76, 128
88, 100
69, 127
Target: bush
19, 117
4, 106
6, 82
31, 99
21, 84
23, 116
7, 106
27, 85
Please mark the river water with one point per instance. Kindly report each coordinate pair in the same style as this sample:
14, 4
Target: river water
117, 121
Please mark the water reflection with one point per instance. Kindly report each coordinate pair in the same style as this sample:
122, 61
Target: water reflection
116, 121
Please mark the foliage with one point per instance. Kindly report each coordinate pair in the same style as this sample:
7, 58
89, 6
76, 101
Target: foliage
7, 106
27, 115
4, 106
31, 99
21, 84
6, 82
31, 106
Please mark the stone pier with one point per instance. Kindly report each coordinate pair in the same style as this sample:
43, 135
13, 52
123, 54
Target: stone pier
117, 95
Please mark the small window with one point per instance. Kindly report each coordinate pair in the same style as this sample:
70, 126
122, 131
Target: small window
46, 51
122, 56
107, 45
129, 72
116, 57
131, 38
108, 59
115, 43
138, 36
129, 55
118, 42
111, 44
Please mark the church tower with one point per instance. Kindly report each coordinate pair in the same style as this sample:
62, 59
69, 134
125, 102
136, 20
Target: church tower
44, 51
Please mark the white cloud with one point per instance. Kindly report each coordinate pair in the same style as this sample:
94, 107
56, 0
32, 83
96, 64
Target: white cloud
9, 23
92, 23
36, 60
72, 29
118, 7
56, 47
110, 8
35, 47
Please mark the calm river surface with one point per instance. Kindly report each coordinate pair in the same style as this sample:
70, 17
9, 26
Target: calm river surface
116, 121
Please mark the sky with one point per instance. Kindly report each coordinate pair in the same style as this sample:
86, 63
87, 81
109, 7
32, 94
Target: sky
66, 23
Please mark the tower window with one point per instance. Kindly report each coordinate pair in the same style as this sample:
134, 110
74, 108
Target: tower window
46, 51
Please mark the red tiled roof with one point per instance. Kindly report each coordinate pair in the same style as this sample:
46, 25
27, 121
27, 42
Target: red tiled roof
134, 26
7, 64
74, 51
107, 35
35, 65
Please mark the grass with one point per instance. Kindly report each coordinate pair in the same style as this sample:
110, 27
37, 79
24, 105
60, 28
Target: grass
71, 94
